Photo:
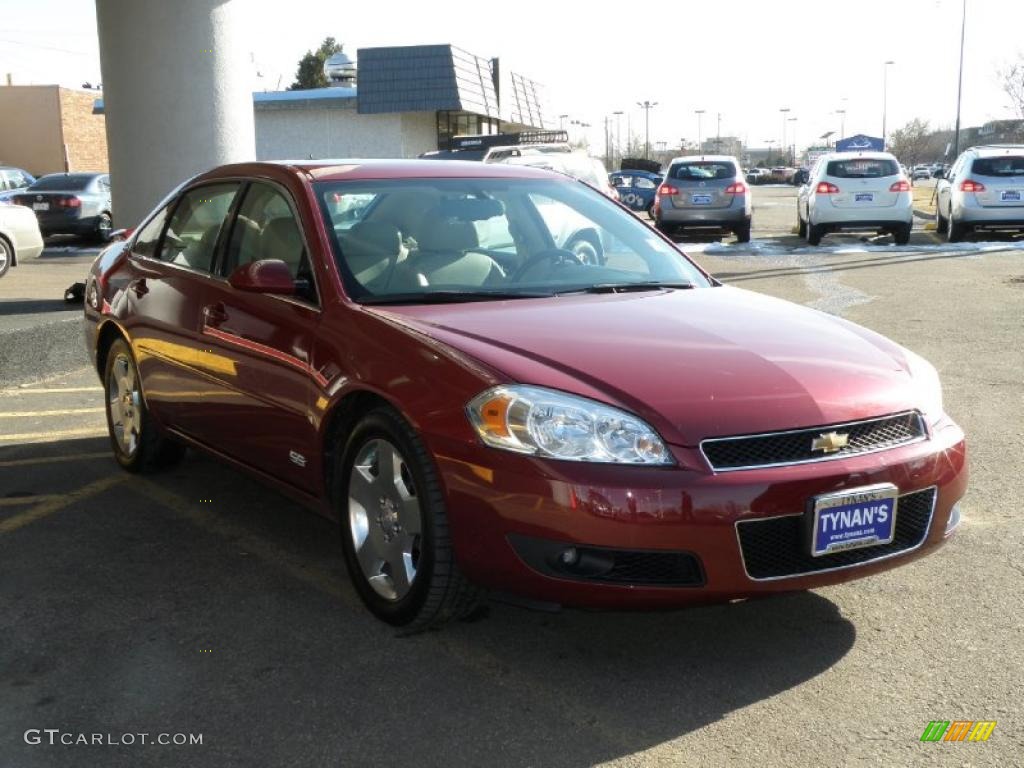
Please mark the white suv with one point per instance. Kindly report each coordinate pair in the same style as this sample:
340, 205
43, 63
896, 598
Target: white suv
983, 190
855, 191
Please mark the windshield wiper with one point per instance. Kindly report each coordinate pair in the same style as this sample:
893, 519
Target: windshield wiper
448, 297
652, 285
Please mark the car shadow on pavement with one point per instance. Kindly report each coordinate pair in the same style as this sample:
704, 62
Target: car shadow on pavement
197, 600
36, 306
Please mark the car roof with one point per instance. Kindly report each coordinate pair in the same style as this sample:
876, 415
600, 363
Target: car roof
345, 169
711, 158
859, 155
994, 150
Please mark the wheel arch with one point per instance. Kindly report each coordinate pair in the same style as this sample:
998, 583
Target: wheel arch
339, 421
108, 333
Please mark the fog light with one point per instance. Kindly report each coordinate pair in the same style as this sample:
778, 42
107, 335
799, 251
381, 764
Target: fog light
954, 519
569, 556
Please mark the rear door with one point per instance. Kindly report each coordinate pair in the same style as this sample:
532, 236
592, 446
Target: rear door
169, 265
1002, 179
258, 410
701, 184
863, 182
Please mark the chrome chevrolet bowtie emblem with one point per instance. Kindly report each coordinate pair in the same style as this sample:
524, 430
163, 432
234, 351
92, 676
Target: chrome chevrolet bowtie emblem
830, 442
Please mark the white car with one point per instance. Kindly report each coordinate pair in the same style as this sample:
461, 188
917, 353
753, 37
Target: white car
983, 190
19, 235
855, 191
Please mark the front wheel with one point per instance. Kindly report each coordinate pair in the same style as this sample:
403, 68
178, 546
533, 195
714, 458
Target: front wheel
104, 226
137, 442
395, 534
6, 257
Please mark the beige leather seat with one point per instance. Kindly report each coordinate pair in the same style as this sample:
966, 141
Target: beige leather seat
445, 256
280, 239
371, 250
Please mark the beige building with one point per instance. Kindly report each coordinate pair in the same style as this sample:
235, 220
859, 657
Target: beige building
49, 129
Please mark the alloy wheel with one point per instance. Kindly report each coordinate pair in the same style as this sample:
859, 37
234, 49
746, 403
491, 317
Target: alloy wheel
125, 403
385, 520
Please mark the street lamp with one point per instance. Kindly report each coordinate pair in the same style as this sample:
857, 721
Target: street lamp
793, 156
769, 142
647, 106
842, 123
960, 83
784, 111
885, 97
700, 115
618, 132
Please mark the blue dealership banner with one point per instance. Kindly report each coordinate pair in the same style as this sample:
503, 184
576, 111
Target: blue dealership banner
860, 143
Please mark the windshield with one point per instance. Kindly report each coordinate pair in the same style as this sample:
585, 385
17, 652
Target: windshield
428, 238
63, 181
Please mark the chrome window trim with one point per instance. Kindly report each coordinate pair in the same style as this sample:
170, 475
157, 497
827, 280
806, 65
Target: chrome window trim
880, 558
831, 457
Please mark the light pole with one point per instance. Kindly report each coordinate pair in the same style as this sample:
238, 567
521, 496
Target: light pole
784, 111
561, 122
960, 83
700, 117
769, 142
618, 132
718, 135
793, 156
842, 123
885, 98
647, 106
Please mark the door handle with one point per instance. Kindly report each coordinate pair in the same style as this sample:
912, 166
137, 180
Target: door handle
139, 287
214, 315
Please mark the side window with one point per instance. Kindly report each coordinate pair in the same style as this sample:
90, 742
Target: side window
621, 182
196, 223
265, 228
641, 182
149, 236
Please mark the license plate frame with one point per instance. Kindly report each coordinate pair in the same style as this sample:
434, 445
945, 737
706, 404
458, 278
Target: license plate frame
863, 197
1010, 196
700, 198
842, 533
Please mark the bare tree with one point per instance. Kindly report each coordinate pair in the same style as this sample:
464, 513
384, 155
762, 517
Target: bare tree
912, 142
1012, 80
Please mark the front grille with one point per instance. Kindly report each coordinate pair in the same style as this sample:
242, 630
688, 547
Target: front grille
610, 566
794, 447
778, 546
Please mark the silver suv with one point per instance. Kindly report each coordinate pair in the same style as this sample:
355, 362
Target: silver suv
704, 192
983, 190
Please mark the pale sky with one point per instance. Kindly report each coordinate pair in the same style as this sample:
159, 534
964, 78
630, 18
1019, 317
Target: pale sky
744, 59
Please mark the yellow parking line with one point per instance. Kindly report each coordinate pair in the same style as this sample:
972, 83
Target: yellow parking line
56, 434
60, 502
15, 501
65, 412
49, 390
55, 459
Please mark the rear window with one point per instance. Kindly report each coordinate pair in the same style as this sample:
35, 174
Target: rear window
702, 170
1006, 165
61, 181
862, 168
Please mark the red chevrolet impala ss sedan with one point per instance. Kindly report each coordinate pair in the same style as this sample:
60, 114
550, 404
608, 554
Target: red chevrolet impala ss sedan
424, 352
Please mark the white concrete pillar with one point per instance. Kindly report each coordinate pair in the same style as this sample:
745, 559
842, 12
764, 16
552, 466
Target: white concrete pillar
176, 94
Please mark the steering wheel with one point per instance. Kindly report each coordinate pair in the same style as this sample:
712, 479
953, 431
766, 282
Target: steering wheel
555, 255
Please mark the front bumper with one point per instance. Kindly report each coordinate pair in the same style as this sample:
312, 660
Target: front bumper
497, 500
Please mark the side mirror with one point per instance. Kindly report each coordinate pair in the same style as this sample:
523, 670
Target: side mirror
267, 276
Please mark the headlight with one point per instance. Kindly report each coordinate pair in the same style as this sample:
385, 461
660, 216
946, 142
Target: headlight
926, 379
556, 425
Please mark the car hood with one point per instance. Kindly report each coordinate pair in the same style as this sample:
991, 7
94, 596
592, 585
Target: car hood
694, 363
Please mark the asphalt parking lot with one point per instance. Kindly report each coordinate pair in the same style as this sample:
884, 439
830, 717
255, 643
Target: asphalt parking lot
198, 602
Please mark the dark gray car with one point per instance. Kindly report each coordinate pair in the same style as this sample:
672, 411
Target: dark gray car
704, 192
70, 204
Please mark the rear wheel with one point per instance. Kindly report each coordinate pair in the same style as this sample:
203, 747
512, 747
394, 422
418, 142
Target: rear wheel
955, 231
103, 227
742, 233
137, 442
801, 226
395, 534
902, 235
941, 223
6, 257
814, 234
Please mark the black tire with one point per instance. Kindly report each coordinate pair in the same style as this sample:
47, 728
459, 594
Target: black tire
742, 233
902, 235
941, 222
103, 227
6, 256
801, 227
814, 234
955, 231
152, 450
439, 592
